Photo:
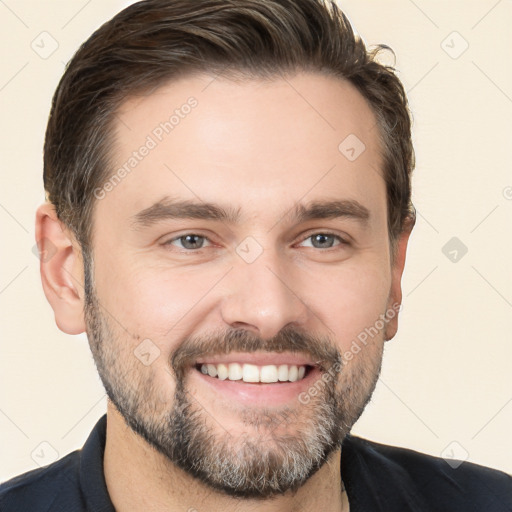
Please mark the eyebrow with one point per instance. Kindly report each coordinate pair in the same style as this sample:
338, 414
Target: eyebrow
169, 209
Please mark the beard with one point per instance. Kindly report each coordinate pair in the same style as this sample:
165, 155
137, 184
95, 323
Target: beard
278, 449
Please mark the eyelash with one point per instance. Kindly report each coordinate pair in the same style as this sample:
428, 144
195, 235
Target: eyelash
342, 241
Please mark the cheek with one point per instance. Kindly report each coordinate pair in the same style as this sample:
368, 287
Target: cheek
153, 302
351, 299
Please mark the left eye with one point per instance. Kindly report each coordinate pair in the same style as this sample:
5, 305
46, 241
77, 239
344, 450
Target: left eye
324, 240
191, 241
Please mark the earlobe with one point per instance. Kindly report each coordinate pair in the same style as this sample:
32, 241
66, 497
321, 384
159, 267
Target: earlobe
61, 270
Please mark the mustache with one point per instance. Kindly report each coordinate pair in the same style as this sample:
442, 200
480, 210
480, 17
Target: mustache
320, 349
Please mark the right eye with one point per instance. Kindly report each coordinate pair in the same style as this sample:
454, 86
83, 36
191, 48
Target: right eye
189, 241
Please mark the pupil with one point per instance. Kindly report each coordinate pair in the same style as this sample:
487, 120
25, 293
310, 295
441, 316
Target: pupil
320, 237
190, 238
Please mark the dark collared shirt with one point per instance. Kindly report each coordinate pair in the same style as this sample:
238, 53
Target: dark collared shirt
378, 478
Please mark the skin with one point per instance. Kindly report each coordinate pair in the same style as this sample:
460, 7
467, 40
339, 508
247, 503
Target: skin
260, 146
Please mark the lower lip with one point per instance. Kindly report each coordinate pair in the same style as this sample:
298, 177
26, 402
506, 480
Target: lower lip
267, 394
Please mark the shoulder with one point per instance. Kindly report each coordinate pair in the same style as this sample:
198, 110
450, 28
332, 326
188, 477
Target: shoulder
443, 484
41, 489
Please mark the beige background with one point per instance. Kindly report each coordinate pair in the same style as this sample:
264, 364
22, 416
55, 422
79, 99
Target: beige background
446, 382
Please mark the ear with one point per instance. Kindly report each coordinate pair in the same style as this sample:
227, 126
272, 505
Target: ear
61, 270
395, 295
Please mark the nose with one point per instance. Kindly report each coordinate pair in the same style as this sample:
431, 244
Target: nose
264, 296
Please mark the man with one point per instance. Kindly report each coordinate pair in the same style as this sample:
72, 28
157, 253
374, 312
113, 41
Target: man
229, 207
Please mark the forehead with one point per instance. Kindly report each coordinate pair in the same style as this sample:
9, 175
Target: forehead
258, 145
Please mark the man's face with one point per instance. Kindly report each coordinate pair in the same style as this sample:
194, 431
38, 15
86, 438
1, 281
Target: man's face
179, 302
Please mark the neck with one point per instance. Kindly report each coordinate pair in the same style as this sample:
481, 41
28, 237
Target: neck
140, 478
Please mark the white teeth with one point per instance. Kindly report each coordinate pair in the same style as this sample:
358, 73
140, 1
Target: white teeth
282, 372
268, 373
222, 371
253, 373
235, 371
212, 370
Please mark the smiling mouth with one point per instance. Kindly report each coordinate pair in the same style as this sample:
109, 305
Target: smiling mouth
251, 373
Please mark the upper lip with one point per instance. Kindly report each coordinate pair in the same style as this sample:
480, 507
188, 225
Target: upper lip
259, 358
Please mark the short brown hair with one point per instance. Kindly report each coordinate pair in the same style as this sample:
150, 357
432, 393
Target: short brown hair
155, 41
